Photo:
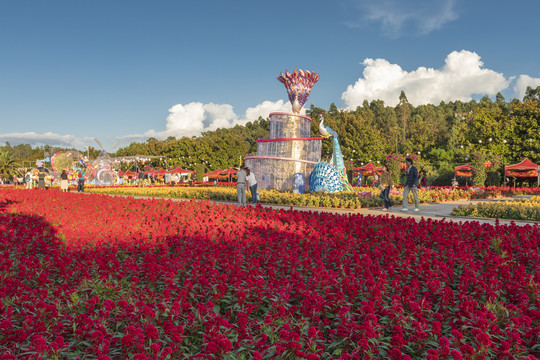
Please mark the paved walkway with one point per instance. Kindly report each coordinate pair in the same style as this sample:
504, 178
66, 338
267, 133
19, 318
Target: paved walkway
438, 211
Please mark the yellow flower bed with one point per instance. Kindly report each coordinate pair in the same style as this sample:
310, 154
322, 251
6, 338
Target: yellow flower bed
362, 197
349, 200
519, 209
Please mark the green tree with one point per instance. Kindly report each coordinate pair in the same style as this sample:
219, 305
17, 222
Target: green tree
404, 112
393, 162
489, 129
8, 164
525, 137
531, 94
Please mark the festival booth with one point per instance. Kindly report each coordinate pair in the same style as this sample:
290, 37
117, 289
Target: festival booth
127, 177
159, 175
465, 170
179, 170
183, 173
213, 174
129, 174
367, 170
526, 168
228, 174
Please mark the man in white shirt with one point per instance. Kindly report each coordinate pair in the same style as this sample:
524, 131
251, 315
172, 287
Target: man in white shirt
252, 183
29, 179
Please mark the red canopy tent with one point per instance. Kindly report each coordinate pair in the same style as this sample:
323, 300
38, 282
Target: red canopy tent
229, 173
465, 170
179, 170
160, 172
129, 173
526, 168
213, 174
367, 170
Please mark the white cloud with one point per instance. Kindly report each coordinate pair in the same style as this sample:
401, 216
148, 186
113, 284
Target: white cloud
460, 77
398, 17
266, 107
521, 84
183, 120
48, 138
194, 118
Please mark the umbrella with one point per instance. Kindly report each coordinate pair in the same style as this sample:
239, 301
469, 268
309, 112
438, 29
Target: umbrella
43, 169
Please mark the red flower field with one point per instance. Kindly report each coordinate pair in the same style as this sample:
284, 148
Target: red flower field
93, 276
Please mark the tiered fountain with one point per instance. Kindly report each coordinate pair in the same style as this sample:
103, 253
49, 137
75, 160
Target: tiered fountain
285, 160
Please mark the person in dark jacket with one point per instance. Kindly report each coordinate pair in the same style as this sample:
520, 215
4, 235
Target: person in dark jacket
64, 184
80, 181
410, 185
387, 184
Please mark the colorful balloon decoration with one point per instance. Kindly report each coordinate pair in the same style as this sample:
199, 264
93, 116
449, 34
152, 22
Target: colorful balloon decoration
64, 160
298, 84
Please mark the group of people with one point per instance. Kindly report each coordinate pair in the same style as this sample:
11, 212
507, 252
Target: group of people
244, 177
36, 178
64, 181
385, 184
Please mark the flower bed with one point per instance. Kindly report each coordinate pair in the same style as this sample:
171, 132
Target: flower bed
93, 276
362, 197
519, 209
349, 200
503, 191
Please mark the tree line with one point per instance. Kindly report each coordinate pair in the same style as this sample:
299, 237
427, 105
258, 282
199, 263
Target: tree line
438, 136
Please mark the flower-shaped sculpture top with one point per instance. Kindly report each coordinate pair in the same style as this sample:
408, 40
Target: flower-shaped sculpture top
298, 84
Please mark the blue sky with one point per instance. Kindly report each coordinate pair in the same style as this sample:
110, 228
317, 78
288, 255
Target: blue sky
125, 70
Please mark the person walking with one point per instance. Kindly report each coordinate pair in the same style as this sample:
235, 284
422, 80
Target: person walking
410, 185
41, 180
376, 181
387, 184
29, 179
241, 185
252, 183
64, 181
80, 183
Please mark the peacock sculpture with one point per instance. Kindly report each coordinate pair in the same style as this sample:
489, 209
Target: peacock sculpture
329, 177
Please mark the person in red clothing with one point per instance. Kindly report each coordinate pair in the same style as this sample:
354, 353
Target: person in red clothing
423, 180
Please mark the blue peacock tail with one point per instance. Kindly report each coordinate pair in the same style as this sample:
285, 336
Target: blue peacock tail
337, 164
325, 178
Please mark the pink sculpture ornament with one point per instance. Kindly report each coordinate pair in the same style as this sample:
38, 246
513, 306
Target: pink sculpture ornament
298, 84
